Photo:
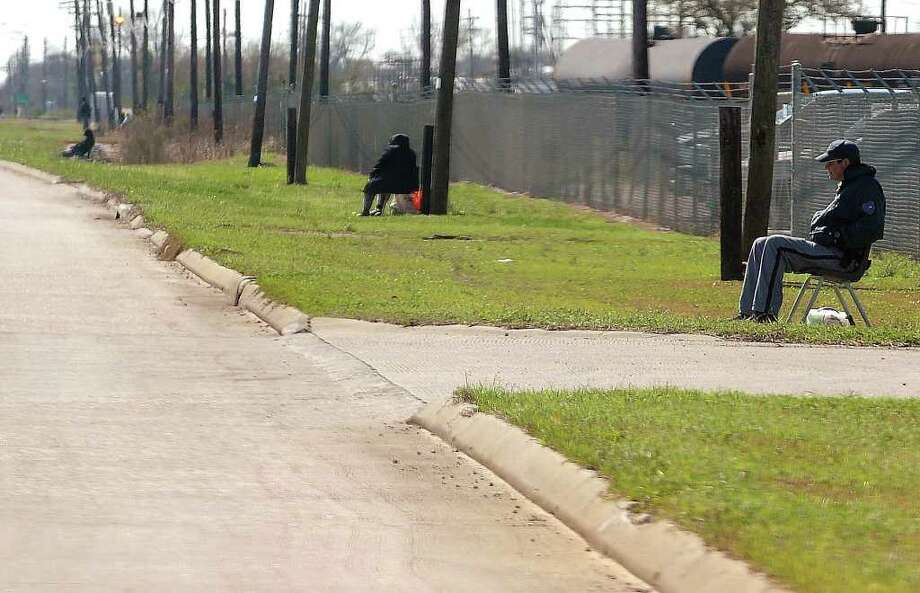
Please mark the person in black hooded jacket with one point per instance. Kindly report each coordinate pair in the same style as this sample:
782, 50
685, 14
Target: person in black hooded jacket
838, 242
81, 149
396, 172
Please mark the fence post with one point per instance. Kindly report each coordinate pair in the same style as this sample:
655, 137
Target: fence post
427, 150
291, 142
730, 192
793, 139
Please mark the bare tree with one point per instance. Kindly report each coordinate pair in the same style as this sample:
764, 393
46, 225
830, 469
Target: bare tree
739, 17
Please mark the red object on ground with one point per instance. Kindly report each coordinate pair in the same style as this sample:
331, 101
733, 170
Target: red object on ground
417, 200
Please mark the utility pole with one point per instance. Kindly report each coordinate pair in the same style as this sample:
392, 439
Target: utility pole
292, 58
291, 139
884, 18
640, 40
223, 47
116, 73
238, 61
169, 102
324, 51
105, 65
426, 48
90, 62
145, 96
134, 102
65, 78
471, 30
193, 67
504, 56
306, 95
208, 63
218, 75
80, 51
763, 121
258, 120
161, 91
44, 108
440, 178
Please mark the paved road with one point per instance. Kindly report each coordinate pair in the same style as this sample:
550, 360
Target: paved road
153, 438
431, 362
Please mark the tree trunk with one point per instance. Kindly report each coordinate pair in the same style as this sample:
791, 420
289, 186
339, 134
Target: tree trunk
161, 92
504, 57
258, 121
193, 67
306, 95
425, 77
324, 51
169, 104
218, 75
145, 91
441, 169
238, 58
208, 63
763, 122
135, 105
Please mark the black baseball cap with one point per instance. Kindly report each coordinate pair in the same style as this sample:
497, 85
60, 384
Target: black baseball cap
840, 149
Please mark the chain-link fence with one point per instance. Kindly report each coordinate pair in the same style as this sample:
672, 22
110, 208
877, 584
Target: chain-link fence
880, 114
648, 152
649, 156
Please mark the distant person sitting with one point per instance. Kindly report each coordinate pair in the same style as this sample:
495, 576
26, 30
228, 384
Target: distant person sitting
396, 172
84, 112
82, 149
838, 242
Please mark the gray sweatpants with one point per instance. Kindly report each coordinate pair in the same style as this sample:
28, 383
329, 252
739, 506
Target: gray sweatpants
773, 256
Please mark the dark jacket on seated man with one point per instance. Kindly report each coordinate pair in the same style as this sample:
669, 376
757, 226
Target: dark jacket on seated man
855, 218
83, 148
396, 172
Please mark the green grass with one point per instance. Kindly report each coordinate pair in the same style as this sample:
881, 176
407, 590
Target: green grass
820, 493
570, 268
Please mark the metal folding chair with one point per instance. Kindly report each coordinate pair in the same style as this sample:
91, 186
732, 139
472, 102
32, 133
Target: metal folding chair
816, 282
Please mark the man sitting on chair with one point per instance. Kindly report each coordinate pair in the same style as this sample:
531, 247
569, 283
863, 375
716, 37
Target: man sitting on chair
396, 172
839, 239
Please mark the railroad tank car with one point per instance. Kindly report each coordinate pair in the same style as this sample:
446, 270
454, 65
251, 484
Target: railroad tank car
694, 59
590, 62
862, 52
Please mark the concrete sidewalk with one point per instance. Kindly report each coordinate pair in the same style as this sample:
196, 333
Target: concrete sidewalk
431, 362
153, 438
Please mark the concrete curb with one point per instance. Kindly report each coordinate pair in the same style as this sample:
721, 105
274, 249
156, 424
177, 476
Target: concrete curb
283, 319
658, 552
229, 281
30, 172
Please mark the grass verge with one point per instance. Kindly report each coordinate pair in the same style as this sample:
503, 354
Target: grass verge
819, 493
516, 261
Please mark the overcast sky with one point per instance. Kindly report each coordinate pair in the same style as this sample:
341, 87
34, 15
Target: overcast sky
390, 18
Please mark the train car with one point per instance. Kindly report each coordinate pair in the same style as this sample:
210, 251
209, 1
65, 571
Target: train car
697, 59
705, 60
813, 50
